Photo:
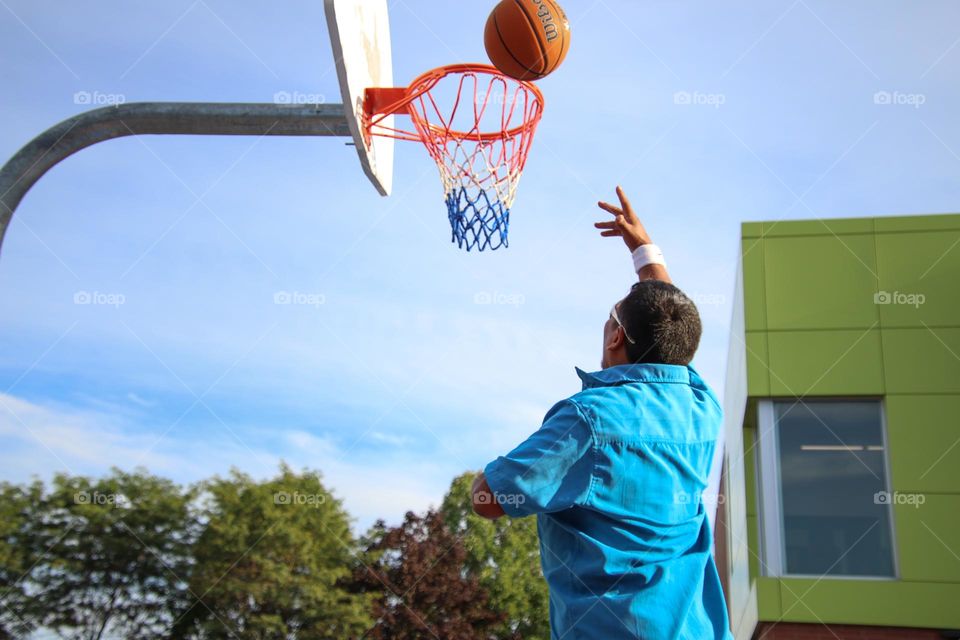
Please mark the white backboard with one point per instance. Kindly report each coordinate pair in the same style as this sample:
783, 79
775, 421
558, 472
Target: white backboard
360, 37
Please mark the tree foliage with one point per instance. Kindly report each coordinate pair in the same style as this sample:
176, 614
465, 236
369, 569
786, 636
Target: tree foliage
133, 556
19, 613
504, 555
417, 572
270, 563
108, 557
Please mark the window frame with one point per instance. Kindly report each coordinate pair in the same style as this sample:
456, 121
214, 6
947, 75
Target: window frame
769, 495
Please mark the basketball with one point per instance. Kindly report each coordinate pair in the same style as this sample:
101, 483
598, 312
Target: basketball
527, 39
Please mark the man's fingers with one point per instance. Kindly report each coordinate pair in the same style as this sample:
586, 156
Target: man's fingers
623, 201
606, 225
611, 234
610, 208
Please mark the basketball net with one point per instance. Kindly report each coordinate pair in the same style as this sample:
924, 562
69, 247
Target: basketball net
477, 124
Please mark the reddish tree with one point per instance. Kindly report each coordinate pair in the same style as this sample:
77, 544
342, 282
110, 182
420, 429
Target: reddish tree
423, 591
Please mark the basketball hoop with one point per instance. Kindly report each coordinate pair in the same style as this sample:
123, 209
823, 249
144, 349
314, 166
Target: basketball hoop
478, 125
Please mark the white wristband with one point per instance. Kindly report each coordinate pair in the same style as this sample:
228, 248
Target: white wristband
646, 255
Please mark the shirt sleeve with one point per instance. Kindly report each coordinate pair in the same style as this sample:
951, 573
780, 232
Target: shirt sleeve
551, 470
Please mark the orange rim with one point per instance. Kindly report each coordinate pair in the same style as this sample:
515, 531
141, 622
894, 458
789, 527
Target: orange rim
422, 85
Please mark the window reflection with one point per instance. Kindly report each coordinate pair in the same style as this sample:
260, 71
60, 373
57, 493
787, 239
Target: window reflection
836, 518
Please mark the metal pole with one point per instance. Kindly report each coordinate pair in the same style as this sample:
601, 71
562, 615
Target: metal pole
29, 164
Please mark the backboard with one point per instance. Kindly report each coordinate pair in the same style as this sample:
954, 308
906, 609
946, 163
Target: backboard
360, 38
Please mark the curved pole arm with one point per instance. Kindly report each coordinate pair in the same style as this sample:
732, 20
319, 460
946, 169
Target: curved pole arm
29, 164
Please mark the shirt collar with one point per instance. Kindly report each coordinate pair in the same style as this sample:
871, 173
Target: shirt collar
625, 373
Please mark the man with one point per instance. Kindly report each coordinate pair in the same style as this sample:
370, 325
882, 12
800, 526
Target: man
615, 473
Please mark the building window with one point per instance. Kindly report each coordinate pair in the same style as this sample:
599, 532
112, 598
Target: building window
824, 501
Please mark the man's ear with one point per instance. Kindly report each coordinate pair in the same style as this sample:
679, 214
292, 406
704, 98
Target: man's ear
616, 340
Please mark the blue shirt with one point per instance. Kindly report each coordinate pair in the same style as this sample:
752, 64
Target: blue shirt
615, 476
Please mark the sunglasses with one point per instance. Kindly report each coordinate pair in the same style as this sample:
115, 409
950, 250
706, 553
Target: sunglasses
616, 318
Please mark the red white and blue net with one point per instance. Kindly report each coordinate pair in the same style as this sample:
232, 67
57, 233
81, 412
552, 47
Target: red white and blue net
477, 125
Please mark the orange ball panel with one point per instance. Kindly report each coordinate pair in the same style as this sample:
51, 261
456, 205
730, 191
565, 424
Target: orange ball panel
527, 39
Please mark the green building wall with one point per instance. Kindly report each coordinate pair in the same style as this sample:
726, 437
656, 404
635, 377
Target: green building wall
815, 327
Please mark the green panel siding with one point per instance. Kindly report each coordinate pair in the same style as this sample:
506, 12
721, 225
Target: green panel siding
815, 327
918, 223
923, 433
918, 272
879, 602
750, 415
758, 377
754, 559
922, 360
749, 472
751, 229
754, 302
768, 598
826, 227
826, 282
928, 536
825, 363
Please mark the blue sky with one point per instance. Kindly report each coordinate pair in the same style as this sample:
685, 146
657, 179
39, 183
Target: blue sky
398, 381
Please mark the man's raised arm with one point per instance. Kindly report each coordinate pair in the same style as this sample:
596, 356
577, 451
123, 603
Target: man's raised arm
627, 225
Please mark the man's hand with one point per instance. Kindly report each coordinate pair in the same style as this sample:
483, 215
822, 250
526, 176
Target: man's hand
484, 504
627, 225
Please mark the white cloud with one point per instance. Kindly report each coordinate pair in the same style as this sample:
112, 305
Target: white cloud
389, 438
71, 441
134, 398
40, 440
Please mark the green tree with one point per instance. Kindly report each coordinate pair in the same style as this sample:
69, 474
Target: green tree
18, 513
111, 555
416, 572
270, 563
504, 554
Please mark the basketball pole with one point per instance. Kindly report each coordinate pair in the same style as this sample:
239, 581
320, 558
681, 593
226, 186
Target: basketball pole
45, 151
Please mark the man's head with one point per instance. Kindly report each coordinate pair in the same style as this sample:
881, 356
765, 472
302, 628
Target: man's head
656, 323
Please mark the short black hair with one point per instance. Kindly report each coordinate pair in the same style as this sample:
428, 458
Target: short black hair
663, 322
